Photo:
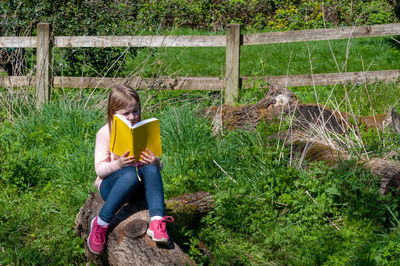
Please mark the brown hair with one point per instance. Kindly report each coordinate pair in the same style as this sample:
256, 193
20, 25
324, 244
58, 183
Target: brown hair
121, 96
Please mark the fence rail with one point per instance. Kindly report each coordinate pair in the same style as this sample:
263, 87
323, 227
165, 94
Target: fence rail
207, 83
179, 83
327, 78
232, 41
18, 42
140, 41
322, 34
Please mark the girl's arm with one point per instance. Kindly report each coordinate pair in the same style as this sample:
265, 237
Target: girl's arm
103, 164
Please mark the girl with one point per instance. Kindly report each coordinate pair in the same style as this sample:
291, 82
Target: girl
117, 176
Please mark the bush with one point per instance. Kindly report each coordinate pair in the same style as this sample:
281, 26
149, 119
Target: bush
73, 18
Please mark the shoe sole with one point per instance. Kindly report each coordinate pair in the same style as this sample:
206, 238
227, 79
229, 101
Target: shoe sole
91, 226
162, 240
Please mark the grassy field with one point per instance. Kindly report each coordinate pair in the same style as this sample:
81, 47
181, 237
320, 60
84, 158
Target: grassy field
363, 54
264, 216
364, 100
368, 54
267, 211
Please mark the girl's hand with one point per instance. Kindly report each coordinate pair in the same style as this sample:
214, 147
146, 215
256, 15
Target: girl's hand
125, 160
149, 158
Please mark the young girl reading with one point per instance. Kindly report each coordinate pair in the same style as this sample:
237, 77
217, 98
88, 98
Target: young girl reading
118, 178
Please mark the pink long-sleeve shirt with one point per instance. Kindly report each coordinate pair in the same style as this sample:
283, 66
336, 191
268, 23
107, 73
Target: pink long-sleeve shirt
105, 162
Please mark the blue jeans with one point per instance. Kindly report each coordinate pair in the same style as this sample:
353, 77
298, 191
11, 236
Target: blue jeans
119, 188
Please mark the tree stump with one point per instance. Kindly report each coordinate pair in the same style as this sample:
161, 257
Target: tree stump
127, 241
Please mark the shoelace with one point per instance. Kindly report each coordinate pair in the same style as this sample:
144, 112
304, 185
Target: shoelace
162, 223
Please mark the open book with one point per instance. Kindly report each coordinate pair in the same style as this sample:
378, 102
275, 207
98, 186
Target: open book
136, 138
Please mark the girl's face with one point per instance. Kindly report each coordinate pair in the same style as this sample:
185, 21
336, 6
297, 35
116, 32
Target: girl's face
131, 112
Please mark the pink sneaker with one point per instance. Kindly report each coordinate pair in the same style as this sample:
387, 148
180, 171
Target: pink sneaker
97, 237
158, 229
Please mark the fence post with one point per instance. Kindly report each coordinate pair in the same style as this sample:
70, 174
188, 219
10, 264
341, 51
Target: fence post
43, 48
232, 78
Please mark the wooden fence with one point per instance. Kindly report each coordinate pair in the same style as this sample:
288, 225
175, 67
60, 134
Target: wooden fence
233, 40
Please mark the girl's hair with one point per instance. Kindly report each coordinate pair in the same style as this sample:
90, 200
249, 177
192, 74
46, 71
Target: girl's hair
121, 96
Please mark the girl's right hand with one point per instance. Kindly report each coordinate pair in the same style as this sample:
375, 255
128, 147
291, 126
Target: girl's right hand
125, 160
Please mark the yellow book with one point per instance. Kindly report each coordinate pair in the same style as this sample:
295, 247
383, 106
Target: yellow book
136, 138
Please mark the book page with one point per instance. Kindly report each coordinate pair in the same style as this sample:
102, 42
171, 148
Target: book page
147, 135
123, 119
138, 124
121, 139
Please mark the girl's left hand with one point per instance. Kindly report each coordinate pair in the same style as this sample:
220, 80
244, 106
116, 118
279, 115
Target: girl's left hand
149, 158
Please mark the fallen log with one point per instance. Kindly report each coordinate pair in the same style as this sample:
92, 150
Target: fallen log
277, 100
127, 241
313, 149
387, 170
280, 101
188, 209
317, 132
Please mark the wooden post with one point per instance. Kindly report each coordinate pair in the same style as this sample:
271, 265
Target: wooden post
43, 63
232, 78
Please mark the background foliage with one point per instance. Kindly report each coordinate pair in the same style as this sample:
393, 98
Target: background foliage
120, 17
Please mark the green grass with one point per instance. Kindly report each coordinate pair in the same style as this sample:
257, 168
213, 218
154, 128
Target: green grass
366, 54
266, 211
371, 54
263, 214
362, 54
45, 177
364, 100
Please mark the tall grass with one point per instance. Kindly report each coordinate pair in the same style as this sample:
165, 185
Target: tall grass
46, 173
263, 212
